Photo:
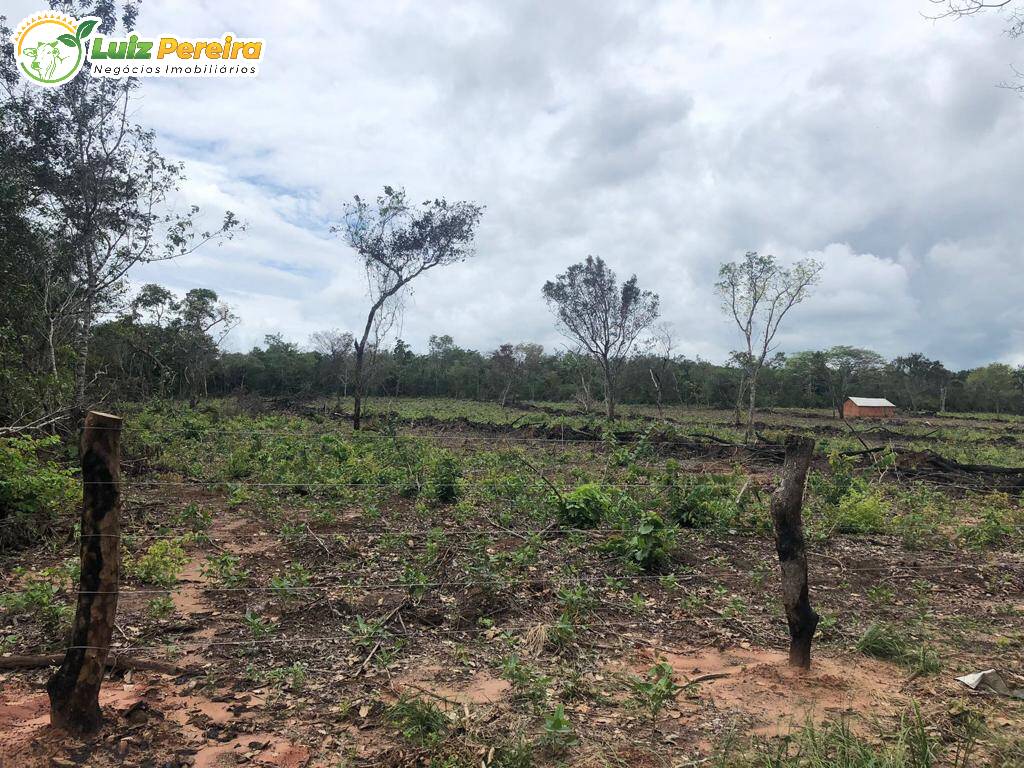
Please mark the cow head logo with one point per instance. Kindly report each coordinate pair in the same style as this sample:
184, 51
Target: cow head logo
50, 47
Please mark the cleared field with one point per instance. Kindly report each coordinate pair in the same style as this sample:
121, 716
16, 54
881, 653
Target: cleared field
461, 584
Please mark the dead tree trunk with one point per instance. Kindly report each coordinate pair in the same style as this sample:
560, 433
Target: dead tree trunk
74, 689
357, 387
787, 504
656, 379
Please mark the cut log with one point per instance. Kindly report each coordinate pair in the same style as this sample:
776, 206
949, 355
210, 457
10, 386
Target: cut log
787, 517
75, 688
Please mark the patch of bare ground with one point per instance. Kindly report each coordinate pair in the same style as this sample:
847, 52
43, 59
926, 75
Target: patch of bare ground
437, 683
147, 715
758, 687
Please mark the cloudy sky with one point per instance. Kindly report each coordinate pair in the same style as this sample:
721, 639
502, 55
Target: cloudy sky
666, 138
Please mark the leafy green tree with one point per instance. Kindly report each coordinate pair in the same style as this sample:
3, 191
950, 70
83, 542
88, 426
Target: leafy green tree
920, 381
758, 293
99, 189
603, 319
992, 387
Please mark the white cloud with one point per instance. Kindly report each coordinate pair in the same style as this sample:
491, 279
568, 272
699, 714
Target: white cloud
666, 138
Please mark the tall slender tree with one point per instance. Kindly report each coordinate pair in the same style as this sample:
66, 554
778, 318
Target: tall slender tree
398, 241
758, 293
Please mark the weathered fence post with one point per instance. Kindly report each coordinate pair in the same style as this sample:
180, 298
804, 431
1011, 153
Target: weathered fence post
75, 688
787, 505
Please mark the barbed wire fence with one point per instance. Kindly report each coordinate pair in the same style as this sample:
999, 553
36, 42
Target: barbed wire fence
544, 481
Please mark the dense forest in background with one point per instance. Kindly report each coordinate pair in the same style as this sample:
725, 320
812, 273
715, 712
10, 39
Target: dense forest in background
526, 372
162, 345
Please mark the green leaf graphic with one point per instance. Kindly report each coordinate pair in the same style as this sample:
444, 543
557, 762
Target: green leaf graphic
85, 28
70, 40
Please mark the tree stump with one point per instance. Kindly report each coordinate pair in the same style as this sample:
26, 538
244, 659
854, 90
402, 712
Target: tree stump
74, 689
787, 508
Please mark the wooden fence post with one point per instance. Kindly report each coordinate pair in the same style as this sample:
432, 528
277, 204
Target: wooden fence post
75, 688
787, 507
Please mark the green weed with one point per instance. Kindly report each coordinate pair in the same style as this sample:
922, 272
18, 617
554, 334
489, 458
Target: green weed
883, 641
527, 684
34, 490
226, 570
582, 507
161, 564
657, 689
420, 722
558, 734
41, 600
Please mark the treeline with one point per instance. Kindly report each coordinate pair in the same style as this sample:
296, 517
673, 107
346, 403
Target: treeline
166, 347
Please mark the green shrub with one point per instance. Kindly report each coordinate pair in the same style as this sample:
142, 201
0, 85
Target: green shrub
652, 541
582, 507
647, 541
830, 487
194, 517
33, 489
443, 480
846, 503
161, 564
998, 522
40, 599
239, 464
226, 570
861, 511
701, 501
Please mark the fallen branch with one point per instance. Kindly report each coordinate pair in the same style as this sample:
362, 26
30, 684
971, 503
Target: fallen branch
318, 540
743, 490
865, 452
376, 647
540, 475
951, 465
706, 677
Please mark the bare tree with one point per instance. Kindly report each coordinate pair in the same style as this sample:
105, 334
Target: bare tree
1013, 10
959, 9
662, 368
603, 319
202, 324
758, 293
507, 363
336, 347
397, 242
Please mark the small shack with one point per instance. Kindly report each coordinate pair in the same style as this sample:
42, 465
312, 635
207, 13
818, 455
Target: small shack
868, 408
